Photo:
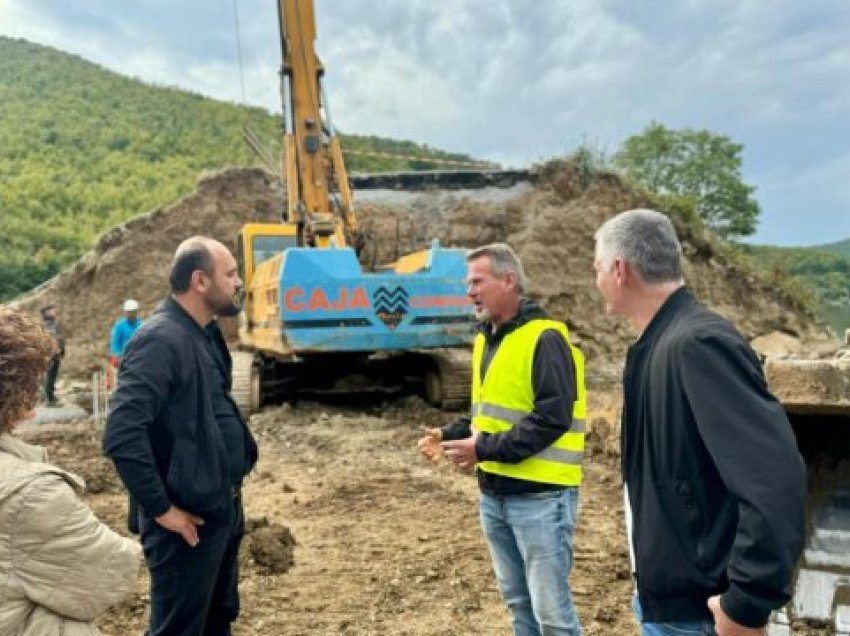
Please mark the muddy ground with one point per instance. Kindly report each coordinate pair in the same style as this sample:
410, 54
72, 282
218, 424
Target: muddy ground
384, 541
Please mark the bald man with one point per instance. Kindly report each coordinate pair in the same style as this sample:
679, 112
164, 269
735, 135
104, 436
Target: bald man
181, 447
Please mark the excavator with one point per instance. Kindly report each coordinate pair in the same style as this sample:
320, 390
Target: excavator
816, 395
313, 320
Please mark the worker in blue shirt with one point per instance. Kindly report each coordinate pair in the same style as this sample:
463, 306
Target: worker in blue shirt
122, 331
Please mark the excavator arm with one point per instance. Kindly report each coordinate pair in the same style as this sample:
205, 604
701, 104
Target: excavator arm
318, 194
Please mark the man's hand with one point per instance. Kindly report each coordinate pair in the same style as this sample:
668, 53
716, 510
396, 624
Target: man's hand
429, 444
183, 523
725, 626
462, 451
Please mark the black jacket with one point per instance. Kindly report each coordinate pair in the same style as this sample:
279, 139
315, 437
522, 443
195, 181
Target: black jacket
55, 331
161, 432
715, 481
553, 376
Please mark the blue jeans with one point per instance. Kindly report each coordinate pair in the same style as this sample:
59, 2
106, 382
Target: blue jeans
531, 544
689, 628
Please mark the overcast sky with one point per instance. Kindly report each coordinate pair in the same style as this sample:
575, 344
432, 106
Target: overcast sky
517, 81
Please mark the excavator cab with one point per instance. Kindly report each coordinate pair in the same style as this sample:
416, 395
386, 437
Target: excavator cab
260, 242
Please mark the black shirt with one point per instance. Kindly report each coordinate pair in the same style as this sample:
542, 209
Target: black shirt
226, 416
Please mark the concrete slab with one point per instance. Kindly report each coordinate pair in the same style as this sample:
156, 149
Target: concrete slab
811, 387
64, 413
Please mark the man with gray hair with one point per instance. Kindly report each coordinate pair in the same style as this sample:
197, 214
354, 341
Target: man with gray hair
525, 437
715, 485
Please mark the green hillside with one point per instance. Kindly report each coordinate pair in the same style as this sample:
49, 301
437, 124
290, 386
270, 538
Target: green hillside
824, 270
83, 148
842, 248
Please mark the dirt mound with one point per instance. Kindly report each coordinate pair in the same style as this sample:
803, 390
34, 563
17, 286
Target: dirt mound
271, 545
552, 230
132, 260
551, 226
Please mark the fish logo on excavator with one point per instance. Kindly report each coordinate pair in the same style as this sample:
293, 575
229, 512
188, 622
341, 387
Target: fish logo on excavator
390, 305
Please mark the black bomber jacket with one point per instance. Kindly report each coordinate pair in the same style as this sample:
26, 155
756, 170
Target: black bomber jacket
715, 481
161, 432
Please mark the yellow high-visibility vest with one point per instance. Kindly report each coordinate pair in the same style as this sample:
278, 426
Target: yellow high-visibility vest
507, 395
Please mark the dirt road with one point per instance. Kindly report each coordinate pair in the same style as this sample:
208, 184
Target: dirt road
384, 541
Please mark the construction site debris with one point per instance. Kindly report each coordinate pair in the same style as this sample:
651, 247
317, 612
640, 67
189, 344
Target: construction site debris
811, 387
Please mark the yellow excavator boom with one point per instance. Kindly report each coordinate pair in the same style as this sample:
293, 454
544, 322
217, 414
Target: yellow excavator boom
318, 194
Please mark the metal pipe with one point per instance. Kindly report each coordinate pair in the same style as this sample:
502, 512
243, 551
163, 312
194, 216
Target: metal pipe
287, 121
326, 105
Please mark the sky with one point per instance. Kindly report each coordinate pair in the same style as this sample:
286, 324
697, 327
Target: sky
520, 81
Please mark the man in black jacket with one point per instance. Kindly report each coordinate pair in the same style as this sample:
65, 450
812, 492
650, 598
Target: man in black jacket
182, 448
714, 480
525, 436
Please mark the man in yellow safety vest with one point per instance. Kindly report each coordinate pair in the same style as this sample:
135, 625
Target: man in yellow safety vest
525, 437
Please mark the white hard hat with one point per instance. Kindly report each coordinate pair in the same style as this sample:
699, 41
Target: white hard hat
130, 305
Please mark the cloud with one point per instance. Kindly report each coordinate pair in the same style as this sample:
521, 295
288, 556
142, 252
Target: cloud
832, 174
513, 80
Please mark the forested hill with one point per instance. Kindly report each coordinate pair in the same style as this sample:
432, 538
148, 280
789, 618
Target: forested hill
841, 248
83, 148
824, 270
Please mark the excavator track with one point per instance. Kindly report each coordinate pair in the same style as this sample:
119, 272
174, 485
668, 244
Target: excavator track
245, 386
449, 385
441, 375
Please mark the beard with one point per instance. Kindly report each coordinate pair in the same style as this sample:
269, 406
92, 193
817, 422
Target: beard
482, 314
228, 309
224, 305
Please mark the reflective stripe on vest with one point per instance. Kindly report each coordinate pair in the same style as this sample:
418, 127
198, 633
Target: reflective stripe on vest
507, 395
513, 416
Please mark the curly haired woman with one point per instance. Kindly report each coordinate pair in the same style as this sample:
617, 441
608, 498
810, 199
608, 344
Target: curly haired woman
60, 567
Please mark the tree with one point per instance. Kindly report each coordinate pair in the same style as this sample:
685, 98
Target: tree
697, 164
